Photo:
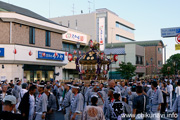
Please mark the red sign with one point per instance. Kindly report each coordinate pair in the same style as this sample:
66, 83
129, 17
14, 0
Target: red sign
178, 39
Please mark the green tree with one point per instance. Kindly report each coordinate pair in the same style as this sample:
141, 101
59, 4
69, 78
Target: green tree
167, 70
173, 63
127, 70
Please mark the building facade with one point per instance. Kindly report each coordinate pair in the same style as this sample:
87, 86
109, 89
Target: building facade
70, 41
102, 25
132, 53
152, 60
30, 45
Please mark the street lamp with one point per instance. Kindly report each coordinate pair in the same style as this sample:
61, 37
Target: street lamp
151, 66
174, 64
78, 46
168, 69
165, 53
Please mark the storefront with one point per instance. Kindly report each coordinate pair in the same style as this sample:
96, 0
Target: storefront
38, 72
31, 63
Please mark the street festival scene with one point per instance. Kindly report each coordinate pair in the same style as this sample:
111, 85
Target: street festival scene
89, 60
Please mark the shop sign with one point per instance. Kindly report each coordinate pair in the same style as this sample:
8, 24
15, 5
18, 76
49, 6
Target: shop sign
177, 46
1, 52
74, 36
50, 56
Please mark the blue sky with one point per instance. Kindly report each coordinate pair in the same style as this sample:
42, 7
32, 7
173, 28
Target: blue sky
148, 16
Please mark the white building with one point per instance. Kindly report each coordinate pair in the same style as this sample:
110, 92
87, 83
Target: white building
103, 25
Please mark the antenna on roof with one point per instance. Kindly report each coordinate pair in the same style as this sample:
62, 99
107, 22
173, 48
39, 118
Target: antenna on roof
73, 9
89, 6
94, 6
49, 8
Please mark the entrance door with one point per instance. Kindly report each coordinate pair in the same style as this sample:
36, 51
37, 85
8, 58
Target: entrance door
38, 72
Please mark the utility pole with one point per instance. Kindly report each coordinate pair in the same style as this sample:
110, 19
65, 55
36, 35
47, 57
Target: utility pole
73, 9
49, 8
94, 6
165, 54
89, 6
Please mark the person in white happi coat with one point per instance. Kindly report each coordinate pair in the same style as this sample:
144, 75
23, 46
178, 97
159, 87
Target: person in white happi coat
156, 99
77, 103
66, 104
176, 107
41, 103
169, 89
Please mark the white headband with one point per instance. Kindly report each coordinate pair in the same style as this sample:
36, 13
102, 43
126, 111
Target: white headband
40, 85
69, 85
34, 84
77, 87
94, 96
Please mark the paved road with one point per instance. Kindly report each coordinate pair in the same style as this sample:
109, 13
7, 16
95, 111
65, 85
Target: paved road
59, 116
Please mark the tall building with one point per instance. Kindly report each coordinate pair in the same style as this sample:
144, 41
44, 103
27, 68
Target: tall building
102, 25
30, 45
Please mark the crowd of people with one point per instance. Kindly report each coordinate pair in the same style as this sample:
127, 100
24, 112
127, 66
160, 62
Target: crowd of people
123, 100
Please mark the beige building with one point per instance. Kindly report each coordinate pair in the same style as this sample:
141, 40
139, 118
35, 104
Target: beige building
103, 25
132, 53
30, 45
146, 55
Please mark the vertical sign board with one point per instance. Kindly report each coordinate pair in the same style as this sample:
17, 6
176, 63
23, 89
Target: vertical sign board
1, 52
170, 32
102, 33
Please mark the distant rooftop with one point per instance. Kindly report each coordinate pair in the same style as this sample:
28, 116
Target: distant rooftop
119, 51
105, 10
141, 43
12, 8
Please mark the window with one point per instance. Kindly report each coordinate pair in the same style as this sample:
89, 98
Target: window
159, 50
48, 38
31, 35
159, 63
126, 28
122, 39
139, 60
